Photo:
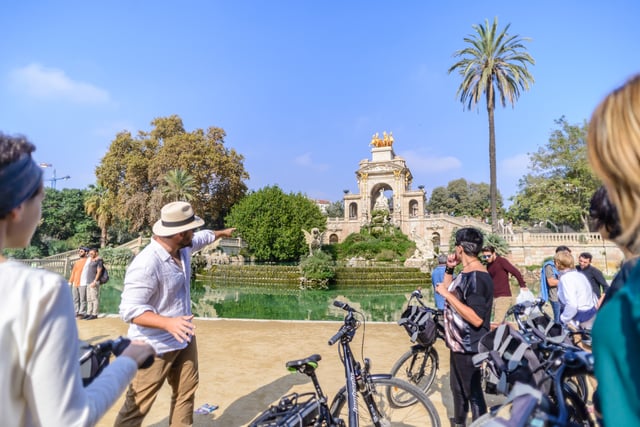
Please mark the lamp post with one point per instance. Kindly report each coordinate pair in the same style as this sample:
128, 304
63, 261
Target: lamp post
55, 179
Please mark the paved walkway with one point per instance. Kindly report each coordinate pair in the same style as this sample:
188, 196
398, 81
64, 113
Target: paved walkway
242, 364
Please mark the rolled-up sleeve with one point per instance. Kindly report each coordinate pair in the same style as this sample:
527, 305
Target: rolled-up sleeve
140, 288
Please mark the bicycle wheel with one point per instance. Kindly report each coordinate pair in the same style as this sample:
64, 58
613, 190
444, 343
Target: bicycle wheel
418, 367
422, 413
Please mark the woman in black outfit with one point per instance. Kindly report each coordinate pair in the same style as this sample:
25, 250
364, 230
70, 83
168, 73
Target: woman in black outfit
467, 316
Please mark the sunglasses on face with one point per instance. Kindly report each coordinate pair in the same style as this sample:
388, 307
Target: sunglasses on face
486, 256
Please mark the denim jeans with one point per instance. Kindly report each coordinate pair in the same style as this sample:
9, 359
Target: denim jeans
555, 305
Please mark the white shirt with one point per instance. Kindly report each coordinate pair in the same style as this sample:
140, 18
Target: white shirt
84, 279
154, 282
574, 291
40, 370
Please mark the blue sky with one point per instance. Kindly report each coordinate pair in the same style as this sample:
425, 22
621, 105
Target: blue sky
301, 86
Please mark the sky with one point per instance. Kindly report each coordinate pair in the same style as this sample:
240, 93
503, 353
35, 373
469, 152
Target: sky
301, 86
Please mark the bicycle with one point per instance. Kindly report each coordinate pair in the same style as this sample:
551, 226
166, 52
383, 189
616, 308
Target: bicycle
527, 405
419, 365
94, 358
540, 327
363, 400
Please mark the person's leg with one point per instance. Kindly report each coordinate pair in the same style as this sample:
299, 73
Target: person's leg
143, 390
476, 394
92, 300
555, 306
75, 292
500, 307
82, 290
456, 380
183, 378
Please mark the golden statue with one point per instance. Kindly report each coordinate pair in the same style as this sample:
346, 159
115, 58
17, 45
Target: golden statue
385, 141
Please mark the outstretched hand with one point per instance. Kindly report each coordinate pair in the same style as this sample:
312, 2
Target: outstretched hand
180, 327
227, 232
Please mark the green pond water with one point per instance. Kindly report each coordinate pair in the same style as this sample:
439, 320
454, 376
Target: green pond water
383, 303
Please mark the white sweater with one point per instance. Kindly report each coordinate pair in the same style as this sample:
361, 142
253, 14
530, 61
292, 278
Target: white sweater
40, 375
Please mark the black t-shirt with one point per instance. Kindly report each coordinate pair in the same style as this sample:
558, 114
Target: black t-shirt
474, 289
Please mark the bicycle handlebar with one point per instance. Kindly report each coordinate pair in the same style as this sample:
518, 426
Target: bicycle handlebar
342, 305
105, 348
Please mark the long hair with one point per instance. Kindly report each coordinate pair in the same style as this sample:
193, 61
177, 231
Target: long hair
613, 145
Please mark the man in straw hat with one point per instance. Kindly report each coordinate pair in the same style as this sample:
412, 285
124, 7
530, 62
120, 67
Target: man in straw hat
156, 301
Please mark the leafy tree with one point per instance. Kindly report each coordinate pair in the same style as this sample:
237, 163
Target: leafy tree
96, 204
461, 197
271, 222
134, 170
560, 183
64, 225
179, 185
378, 246
336, 209
494, 65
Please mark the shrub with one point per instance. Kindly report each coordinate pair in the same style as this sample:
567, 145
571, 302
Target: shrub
317, 271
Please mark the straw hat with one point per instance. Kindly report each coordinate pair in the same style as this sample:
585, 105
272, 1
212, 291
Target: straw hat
176, 217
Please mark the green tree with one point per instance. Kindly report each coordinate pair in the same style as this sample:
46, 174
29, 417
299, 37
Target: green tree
96, 205
271, 222
134, 170
560, 183
461, 197
336, 209
179, 185
494, 65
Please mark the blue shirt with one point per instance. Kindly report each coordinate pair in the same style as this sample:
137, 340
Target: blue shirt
154, 282
437, 276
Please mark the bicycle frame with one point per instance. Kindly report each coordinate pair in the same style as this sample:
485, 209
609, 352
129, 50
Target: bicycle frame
358, 379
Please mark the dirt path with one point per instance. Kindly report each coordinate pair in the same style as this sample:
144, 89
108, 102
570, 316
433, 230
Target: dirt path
242, 364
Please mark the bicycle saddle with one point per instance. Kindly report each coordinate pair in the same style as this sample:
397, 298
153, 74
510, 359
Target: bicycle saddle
309, 362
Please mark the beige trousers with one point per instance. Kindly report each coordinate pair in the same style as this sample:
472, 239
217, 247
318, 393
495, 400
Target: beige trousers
180, 369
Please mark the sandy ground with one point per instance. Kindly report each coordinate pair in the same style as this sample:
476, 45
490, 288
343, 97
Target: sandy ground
242, 364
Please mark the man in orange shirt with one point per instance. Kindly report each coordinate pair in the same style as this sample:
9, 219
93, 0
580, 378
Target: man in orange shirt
78, 284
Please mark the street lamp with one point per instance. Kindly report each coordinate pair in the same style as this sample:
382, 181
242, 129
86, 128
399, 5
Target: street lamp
55, 179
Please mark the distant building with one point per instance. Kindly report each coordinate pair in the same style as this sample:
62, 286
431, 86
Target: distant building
322, 204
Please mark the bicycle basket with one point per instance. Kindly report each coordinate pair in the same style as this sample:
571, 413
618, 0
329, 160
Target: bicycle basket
293, 410
419, 323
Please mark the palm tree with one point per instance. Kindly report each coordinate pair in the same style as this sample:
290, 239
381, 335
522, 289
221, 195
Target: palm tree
97, 206
494, 63
179, 185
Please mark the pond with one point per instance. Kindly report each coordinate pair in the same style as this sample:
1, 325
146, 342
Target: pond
378, 303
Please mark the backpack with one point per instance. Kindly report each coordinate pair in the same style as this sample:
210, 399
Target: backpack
509, 357
104, 276
419, 323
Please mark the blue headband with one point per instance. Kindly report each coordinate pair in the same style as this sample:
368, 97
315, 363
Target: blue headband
18, 181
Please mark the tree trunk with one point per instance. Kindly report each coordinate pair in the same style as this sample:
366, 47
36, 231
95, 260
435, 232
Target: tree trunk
493, 185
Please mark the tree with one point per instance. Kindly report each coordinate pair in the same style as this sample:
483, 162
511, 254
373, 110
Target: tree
560, 183
336, 209
179, 185
271, 222
495, 64
96, 204
461, 197
134, 171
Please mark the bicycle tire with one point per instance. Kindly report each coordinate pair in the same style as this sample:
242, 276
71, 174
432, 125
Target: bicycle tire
421, 414
418, 367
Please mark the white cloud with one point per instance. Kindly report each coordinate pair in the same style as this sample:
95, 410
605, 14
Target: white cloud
305, 160
430, 164
51, 83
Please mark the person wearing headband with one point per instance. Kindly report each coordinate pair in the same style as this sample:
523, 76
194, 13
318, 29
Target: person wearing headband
40, 370
156, 302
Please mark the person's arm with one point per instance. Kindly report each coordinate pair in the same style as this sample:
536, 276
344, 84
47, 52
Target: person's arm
53, 382
100, 267
514, 272
567, 296
600, 280
552, 280
466, 312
